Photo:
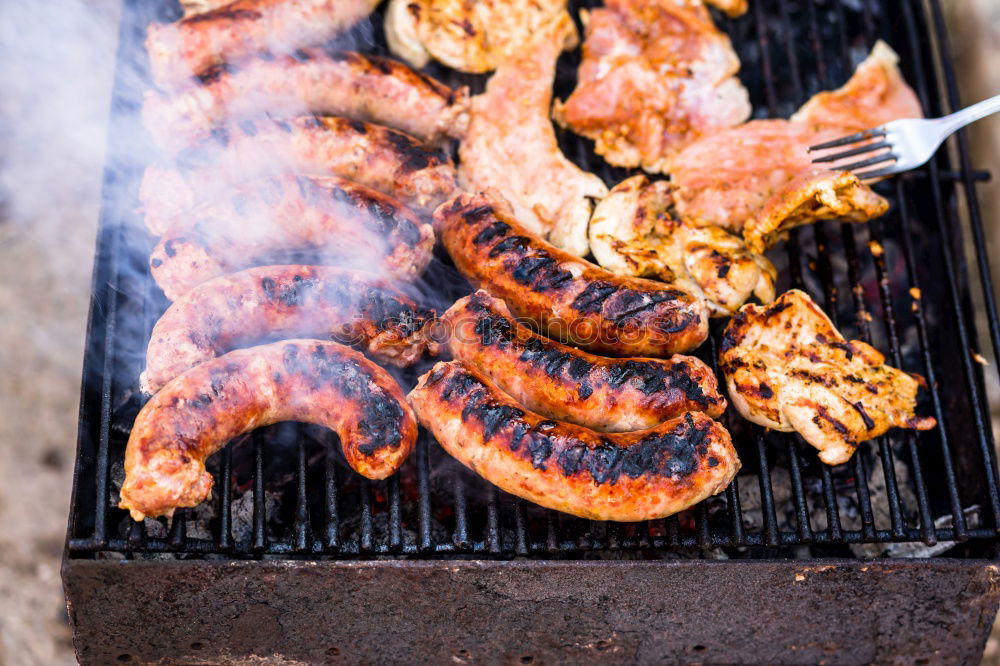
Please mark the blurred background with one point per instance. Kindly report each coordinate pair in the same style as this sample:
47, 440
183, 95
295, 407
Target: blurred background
52, 134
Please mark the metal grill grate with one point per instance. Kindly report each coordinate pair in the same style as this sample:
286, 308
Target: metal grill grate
286, 491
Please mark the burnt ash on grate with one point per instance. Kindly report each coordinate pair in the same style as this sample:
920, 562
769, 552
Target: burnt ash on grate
898, 282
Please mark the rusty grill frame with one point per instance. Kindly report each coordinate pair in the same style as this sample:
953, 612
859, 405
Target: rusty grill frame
952, 469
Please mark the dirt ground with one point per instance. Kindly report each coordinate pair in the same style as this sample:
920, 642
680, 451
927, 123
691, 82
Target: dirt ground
52, 124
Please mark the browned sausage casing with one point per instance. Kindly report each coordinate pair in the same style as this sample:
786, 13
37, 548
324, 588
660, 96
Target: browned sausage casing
311, 381
630, 476
274, 302
236, 30
383, 159
323, 81
334, 221
561, 382
566, 297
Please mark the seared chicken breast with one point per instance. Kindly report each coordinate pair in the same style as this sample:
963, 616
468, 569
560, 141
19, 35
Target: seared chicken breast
511, 147
634, 233
655, 75
469, 35
788, 368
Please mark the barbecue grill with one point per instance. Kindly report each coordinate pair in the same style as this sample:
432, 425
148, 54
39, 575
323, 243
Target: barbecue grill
295, 557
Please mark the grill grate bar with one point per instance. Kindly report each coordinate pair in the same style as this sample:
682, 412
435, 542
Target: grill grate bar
302, 532
365, 542
259, 510
395, 514
423, 493
460, 537
332, 500
771, 537
202, 546
225, 539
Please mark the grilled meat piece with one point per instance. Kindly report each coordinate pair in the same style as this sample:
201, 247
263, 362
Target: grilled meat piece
335, 83
788, 368
732, 8
567, 298
731, 176
655, 75
633, 232
312, 381
630, 476
234, 31
385, 160
561, 382
275, 302
468, 35
331, 220
807, 198
511, 147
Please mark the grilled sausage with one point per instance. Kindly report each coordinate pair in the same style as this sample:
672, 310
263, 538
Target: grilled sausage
312, 381
274, 302
228, 33
385, 160
332, 220
335, 83
566, 297
561, 382
630, 476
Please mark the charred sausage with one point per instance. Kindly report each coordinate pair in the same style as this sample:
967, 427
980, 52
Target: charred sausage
566, 297
274, 302
385, 160
331, 220
630, 476
236, 30
198, 412
327, 82
561, 382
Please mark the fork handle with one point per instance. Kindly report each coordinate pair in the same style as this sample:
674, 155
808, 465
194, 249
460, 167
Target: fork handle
970, 114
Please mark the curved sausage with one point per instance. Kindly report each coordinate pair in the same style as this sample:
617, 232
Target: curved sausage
235, 30
331, 220
630, 476
561, 382
311, 381
381, 158
323, 81
566, 297
275, 302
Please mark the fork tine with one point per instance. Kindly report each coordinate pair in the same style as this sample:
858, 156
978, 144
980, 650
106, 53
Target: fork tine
877, 173
851, 153
863, 163
850, 138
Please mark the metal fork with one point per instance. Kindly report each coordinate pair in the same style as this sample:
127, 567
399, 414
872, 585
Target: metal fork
907, 143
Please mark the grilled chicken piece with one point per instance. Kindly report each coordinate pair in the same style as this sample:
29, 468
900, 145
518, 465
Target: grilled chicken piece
655, 75
391, 162
564, 297
243, 28
749, 173
322, 81
807, 198
630, 476
330, 220
511, 147
311, 381
633, 233
788, 368
274, 302
732, 8
562, 382
468, 35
